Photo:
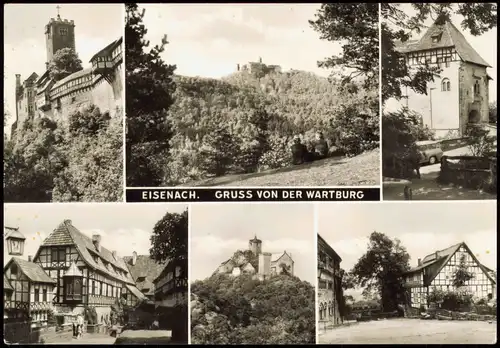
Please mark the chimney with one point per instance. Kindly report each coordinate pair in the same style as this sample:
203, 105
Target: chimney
134, 258
18, 80
260, 60
238, 67
419, 262
68, 222
46, 65
30, 258
114, 254
264, 264
96, 240
437, 254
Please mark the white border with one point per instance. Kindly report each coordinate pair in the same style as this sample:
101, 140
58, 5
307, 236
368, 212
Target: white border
380, 106
124, 106
189, 274
316, 286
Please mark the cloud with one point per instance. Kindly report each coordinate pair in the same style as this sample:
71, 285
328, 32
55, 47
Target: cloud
233, 33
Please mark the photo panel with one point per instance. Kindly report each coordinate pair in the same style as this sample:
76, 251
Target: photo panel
252, 270
95, 274
63, 103
439, 97
223, 97
420, 273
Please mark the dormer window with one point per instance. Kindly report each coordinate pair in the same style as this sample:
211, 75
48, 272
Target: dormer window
141, 279
436, 38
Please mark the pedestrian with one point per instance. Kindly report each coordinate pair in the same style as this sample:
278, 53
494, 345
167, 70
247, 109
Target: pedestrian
156, 324
80, 322
74, 328
320, 146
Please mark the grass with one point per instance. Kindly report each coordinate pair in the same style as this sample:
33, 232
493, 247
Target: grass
160, 337
362, 170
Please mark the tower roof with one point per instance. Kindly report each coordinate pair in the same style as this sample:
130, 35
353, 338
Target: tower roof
448, 36
255, 239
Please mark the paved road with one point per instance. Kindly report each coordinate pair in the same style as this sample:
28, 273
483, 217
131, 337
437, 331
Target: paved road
413, 331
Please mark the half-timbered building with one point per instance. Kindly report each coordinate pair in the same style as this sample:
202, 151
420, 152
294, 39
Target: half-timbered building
32, 291
171, 285
70, 272
437, 271
144, 270
457, 97
329, 284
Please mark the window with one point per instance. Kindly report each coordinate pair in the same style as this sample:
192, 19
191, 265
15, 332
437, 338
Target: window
44, 298
436, 38
58, 254
447, 61
445, 85
63, 31
73, 287
477, 89
37, 295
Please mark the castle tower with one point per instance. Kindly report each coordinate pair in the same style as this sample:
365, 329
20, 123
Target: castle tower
255, 245
59, 33
264, 264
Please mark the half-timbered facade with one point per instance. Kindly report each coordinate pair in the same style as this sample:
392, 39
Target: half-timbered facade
329, 283
32, 291
437, 270
144, 270
459, 95
86, 274
171, 285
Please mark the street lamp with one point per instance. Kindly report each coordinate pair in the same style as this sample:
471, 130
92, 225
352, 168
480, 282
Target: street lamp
15, 241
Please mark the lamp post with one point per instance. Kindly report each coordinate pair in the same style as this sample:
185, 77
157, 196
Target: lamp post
430, 103
15, 241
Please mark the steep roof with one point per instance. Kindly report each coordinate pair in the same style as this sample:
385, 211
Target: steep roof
75, 75
13, 232
145, 267
31, 270
434, 263
67, 234
449, 36
6, 284
276, 256
135, 292
323, 243
106, 51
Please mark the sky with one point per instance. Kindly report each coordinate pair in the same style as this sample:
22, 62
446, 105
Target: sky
485, 45
422, 227
210, 40
96, 25
123, 227
218, 230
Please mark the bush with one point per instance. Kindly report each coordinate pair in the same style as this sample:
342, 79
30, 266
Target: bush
479, 142
451, 300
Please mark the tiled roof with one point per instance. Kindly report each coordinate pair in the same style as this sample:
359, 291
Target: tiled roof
31, 270
145, 267
73, 76
67, 234
436, 261
106, 51
6, 284
276, 256
136, 292
450, 36
323, 243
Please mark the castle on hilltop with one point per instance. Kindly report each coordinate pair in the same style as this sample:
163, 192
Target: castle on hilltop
258, 68
268, 264
101, 84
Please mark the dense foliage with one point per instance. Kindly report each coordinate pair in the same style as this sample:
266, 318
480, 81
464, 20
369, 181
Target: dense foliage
149, 89
169, 240
244, 123
492, 112
64, 63
381, 270
402, 129
243, 310
80, 161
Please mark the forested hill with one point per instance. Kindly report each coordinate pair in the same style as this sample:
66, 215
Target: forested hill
243, 310
243, 122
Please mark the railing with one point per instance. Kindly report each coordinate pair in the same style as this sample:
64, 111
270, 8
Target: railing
469, 171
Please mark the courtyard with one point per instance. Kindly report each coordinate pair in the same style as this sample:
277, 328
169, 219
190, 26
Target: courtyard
413, 331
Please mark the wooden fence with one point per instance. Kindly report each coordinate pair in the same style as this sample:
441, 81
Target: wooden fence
469, 171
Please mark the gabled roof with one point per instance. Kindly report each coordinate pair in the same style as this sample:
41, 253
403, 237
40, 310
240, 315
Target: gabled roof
449, 36
67, 234
145, 267
323, 243
106, 51
31, 270
13, 232
136, 292
276, 256
434, 263
32, 78
6, 284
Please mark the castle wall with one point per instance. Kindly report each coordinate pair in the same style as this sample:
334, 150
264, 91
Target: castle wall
469, 74
440, 107
265, 264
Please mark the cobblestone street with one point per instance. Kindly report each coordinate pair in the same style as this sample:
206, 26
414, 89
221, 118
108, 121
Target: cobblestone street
413, 331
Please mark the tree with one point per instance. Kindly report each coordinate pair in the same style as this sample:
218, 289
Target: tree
462, 274
479, 141
285, 269
218, 151
492, 112
356, 26
398, 25
149, 89
170, 238
381, 270
64, 63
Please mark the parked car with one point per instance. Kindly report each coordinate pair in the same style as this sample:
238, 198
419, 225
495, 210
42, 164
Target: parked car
430, 151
